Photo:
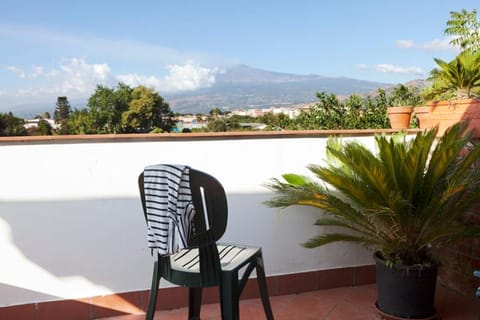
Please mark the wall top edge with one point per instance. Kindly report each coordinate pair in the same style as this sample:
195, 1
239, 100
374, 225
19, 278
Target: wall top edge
138, 137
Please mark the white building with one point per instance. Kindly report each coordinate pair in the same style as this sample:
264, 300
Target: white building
33, 123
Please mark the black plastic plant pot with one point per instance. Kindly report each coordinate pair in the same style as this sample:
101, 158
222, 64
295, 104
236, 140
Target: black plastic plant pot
406, 292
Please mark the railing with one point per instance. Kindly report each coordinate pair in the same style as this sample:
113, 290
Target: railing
71, 224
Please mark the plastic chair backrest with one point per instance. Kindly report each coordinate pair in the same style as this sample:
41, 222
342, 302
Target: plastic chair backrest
211, 208
210, 202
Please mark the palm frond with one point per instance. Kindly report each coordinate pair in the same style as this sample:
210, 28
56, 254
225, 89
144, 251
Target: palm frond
327, 238
460, 75
409, 196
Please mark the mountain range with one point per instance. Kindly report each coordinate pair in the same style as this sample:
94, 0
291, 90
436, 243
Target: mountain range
242, 87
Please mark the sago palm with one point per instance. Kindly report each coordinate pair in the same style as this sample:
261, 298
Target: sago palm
458, 76
402, 201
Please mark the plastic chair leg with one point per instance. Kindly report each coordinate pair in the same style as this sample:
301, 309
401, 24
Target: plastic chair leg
152, 303
229, 295
262, 285
194, 303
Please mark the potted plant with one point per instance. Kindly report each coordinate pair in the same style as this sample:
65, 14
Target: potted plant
402, 100
401, 202
455, 84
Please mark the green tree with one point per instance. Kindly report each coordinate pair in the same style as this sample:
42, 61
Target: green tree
62, 110
329, 113
106, 107
11, 125
44, 115
277, 121
215, 112
104, 111
42, 129
123, 96
146, 111
81, 121
465, 29
217, 125
353, 113
223, 124
326, 114
356, 112
402, 95
375, 116
121, 109
232, 124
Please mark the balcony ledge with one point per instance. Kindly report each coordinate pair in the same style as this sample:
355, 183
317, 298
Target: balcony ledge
136, 137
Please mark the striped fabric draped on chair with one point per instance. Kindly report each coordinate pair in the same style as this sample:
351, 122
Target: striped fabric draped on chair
169, 207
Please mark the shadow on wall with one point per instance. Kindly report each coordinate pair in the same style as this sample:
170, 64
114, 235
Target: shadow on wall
84, 248
71, 249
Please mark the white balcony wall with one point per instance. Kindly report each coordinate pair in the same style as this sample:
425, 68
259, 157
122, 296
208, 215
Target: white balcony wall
71, 223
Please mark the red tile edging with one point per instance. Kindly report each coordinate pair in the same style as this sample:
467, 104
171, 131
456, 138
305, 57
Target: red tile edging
176, 297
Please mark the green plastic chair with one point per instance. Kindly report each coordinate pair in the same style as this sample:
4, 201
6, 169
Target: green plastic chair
205, 263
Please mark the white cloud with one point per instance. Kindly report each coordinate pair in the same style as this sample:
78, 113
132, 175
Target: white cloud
432, 45
390, 68
361, 66
37, 72
79, 76
405, 43
189, 77
76, 78
438, 44
19, 72
134, 79
185, 77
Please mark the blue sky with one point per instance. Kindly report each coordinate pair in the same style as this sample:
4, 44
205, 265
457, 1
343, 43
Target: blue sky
50, 48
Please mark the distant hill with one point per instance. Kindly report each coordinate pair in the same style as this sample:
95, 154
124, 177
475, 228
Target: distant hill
244, 74
417, 83
242, 86
30, 110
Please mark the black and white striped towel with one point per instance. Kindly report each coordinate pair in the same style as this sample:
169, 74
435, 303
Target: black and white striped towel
169, 207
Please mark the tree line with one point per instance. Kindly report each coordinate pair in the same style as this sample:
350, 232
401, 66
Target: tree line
109, 110
116, 110
331, 113
123, 109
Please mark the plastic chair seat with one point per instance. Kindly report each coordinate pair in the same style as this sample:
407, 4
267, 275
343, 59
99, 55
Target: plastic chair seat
231, 257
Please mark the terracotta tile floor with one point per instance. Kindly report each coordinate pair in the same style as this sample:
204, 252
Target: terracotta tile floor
344, 303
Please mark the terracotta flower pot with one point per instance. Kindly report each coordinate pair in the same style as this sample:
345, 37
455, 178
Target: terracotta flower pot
423, 117
446, 113
399, 117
